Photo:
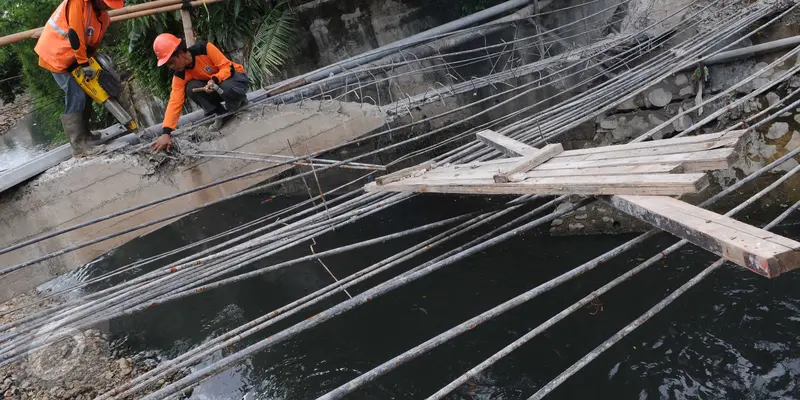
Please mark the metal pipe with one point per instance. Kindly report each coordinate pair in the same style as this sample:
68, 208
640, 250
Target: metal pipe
126, 211
752, 51
587, 299
346, 306
378, 53
304, 302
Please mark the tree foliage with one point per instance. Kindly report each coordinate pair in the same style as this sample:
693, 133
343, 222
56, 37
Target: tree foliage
20, 59
259, 36
272, 45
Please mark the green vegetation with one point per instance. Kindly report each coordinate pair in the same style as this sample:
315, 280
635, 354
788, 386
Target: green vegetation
262, 36
249, 27
19, 59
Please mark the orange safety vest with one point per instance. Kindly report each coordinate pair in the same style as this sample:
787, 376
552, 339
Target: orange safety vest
209, 63
53, 47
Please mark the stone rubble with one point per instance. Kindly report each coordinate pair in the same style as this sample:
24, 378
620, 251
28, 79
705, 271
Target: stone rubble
80, 367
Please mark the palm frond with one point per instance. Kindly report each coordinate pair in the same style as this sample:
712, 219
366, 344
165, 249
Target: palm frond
272, 45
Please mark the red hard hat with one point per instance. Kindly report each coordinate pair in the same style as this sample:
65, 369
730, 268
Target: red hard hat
114, 3
164, 45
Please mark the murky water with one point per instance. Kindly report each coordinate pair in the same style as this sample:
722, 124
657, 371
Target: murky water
20, 144
735, 335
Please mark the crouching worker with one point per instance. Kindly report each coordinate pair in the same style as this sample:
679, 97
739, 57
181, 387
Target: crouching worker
202, 73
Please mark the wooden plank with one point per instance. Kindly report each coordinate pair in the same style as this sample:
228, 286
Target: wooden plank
650, 151
529, 162
691, 162
489, 171
506, 145
405, 173
731, 223
653, 184
664, 142
733, 240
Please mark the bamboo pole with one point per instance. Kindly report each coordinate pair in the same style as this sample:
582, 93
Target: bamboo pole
122, 14
142, 7
161, 10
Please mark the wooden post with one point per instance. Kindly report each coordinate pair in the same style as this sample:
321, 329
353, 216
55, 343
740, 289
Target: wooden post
188, 30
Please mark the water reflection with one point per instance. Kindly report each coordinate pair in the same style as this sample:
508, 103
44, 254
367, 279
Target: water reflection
21, 143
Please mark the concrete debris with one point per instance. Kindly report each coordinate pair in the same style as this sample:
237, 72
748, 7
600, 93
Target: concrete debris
659, 97
773, 98
789, 165
794, 142
777, 130
80, 367
760, 82
767, 151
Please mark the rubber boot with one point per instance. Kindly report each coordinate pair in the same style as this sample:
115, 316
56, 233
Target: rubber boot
94, 136
221, 121
78, 135
235, 106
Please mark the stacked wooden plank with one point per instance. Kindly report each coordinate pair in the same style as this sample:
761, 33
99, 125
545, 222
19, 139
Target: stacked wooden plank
631, 174
664, 167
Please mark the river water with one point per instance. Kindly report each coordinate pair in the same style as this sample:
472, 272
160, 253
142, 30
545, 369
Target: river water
735, 335
21, 143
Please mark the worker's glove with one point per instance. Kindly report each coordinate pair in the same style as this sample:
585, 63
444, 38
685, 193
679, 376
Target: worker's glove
88, 72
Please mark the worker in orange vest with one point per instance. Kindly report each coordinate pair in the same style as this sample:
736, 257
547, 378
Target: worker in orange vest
86, 20
201, 65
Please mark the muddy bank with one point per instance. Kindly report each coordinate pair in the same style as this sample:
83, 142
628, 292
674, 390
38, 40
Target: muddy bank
12, 113
81, 366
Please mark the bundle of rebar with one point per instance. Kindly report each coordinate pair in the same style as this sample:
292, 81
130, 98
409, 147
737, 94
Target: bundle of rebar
642, 65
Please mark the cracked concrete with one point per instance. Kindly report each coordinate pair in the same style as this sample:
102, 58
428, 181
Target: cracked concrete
84, 189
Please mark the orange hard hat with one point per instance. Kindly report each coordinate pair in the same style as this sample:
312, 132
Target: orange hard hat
164, 45
114, 3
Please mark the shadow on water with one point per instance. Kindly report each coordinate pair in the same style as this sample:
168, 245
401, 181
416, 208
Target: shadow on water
732, 336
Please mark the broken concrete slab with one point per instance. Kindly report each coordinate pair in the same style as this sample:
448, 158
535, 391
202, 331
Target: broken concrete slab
84, 189
777, 130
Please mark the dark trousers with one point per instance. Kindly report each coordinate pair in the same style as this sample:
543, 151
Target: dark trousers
74, 96
234, 94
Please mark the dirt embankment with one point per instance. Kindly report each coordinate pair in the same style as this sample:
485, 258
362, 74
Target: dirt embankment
80, 366
11, 113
